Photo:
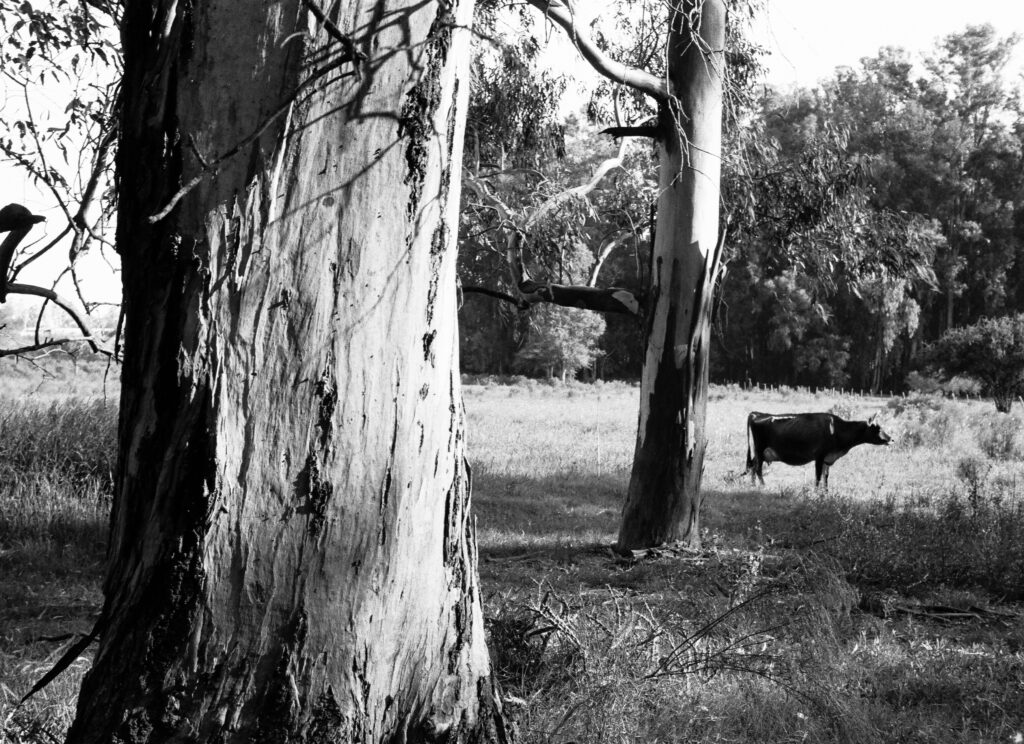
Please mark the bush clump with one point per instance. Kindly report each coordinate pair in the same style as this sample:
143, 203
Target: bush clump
997, 436
991, 351
923, 420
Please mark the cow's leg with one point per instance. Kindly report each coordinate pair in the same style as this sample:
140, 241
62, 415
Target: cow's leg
759, 471
819, 468
824, 475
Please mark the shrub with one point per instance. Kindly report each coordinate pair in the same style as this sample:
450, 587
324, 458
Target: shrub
917, 404
920, 383
922, 421
991, 351
843, 409
997, 436
973, 471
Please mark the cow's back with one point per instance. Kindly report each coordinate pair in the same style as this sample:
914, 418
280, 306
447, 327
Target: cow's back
793, 438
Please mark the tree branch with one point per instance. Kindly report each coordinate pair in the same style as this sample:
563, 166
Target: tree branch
603, 254
559, 12
56, 299
647, 130
577, 191
346, 42
609, 300
518, 302
478, 187
40, 252
37, 347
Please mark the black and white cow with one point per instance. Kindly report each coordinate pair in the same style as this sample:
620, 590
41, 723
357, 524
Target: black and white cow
800, 438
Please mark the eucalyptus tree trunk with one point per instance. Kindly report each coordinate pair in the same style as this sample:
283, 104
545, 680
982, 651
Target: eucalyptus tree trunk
291, 556
664, 497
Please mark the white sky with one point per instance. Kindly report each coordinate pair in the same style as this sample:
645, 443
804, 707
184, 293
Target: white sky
810, 38
807, 38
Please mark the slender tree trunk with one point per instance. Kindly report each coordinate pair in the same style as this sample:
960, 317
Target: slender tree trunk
291, 556
950, 296
663, 502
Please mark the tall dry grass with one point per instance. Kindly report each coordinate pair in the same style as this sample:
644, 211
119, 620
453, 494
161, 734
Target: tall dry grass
56, 470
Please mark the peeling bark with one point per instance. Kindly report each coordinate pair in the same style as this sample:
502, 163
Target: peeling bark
291, 554
664, 499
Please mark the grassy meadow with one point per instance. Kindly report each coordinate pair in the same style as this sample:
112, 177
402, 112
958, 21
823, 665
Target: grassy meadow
890, 609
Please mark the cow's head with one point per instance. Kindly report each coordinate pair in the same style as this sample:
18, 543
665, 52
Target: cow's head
874, 434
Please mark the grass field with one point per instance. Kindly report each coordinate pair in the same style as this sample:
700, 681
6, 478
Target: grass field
888, 610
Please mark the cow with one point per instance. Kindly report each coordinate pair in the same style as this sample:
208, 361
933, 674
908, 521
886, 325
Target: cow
800, 438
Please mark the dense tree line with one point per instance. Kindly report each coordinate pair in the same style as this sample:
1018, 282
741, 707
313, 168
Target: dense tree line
866, 216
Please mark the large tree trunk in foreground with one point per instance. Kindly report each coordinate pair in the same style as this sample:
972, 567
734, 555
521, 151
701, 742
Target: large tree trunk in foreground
664, 499
291, 557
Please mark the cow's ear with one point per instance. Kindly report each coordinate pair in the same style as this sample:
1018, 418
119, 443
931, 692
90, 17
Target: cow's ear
874, 416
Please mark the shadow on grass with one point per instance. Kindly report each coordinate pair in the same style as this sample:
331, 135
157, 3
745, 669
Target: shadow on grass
928, 542
560, 528
52, 548
515, 512
580, 511
912, 545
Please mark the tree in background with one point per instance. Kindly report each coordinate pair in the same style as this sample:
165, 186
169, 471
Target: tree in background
990, 351
809, 256
886, 207
291, 556
945, 145
562, 341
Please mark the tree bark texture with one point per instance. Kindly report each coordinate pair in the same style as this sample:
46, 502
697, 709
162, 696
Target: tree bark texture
291, 556
664, 499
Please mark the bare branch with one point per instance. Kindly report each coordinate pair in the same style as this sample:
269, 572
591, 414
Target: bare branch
350, 48
41, 154
37, 347
582, 190
90, 192
56, 299
560, 12
604, 253
39, 253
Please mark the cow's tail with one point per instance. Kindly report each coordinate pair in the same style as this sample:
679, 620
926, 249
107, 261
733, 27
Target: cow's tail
750, 446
